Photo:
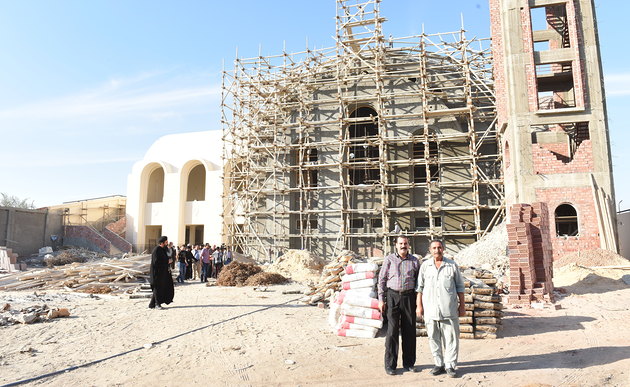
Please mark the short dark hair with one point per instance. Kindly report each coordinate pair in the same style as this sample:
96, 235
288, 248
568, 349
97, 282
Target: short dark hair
436, 240
403, 237
162, 239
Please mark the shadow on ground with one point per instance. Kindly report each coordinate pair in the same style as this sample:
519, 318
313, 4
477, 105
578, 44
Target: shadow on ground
575, 358
518, 324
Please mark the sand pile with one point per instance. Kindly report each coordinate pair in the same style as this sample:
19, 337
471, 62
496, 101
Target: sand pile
488, 253
299, 265
590, 258
579, 279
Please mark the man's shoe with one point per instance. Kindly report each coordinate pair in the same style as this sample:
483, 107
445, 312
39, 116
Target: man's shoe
451, 373
437, 371
159, 307
410, 369
390, 371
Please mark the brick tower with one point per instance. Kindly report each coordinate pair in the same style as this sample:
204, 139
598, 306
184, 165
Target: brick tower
552, 119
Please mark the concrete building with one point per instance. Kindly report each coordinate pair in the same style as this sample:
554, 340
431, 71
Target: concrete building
339, 148
175, 190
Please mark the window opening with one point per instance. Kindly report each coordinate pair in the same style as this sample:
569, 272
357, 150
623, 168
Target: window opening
566, 220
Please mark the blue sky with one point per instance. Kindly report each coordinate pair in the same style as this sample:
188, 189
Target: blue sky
87, 86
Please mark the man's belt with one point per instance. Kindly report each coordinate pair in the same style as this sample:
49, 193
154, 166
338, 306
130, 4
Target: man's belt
402, 292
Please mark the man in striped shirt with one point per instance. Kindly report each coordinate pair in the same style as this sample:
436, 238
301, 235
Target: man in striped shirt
397, 297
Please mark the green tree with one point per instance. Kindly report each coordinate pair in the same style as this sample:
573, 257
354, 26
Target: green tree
13, 201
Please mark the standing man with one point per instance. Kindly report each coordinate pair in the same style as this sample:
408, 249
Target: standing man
440, 289
197, 264
160, 276
397, 297
205, 262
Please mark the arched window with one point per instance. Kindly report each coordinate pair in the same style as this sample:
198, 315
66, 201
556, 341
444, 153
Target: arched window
196, 189
566, 220
155, 188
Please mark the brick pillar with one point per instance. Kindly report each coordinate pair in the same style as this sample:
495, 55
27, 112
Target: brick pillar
530, 254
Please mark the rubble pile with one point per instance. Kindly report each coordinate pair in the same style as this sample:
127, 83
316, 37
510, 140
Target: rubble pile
299, 265
117, 275
330, 279
70, 256
30, 315
489, 253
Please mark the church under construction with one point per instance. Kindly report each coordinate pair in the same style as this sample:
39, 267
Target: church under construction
432, 136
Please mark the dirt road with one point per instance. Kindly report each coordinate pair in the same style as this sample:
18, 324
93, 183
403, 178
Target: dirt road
237, 336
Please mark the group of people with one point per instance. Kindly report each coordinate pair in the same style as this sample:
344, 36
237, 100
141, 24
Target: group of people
407, 290
200, 263
432, 291
194, 263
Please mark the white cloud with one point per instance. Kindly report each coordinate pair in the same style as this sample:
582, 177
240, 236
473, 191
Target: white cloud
617, 84
150, 95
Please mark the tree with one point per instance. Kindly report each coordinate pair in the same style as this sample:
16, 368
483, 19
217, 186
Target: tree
13, 201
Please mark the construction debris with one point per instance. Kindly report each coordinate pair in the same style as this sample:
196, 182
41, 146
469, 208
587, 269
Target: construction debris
31, 315
330, 279
489, 253
70, 255
299, 265
102, 276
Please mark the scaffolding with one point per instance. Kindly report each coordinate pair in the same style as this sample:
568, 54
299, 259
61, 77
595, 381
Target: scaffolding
349, 146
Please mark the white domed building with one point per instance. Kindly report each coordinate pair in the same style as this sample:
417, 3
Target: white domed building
175, 190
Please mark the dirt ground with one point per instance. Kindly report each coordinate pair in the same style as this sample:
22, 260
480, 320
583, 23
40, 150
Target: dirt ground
239, 336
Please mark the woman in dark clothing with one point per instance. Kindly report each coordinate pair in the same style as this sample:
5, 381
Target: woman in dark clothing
190, 259
160, 276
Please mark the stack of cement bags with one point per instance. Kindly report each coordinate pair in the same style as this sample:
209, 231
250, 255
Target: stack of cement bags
486, 304
354, 312
483, 307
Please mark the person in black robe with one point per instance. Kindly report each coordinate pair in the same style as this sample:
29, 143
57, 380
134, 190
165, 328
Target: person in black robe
190, 259
160, 277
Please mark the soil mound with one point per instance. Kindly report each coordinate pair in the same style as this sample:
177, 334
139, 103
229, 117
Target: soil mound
237, 273
299, 265
590, 258
265, 278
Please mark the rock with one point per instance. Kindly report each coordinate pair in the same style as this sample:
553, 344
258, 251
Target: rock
53, 313
289, 362
63, 312
26, 318
6, 306
27, 349
148, 345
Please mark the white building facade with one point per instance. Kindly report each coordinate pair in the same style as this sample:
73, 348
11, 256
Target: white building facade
175, 190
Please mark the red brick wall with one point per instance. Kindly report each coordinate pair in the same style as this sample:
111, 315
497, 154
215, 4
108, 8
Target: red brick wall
582, 199
546, 162
87, 237
118, 227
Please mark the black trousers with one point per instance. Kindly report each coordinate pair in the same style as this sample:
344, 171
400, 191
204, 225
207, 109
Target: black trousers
401, 320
